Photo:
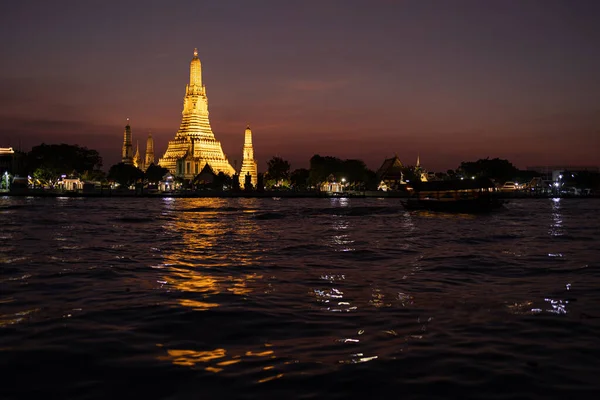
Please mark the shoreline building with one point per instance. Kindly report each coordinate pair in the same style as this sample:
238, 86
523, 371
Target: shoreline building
391, 174
127, 152
248, 161
194, 144
137, 159
149, 151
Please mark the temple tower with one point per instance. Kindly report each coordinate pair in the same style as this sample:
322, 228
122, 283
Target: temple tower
194, 144
137, 159
248, 163
127, 153
149, 150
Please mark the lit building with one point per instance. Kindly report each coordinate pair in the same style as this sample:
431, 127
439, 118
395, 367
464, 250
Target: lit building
137, 159
552, 171
194, 144
127, 150
423, 175
7, 160
248, 163
391, 174
149, 151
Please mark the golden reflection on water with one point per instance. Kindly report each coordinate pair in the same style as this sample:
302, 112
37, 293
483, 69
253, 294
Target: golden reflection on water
216, 242
217, 360
190, 358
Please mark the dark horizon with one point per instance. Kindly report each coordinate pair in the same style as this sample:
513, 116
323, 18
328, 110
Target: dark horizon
354, 79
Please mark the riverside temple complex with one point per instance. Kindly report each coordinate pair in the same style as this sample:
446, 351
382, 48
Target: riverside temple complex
194, 145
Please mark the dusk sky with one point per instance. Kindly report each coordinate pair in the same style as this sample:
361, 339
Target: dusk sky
449, 80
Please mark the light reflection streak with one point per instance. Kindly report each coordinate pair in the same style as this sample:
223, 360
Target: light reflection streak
341, 239
219, 359
357, 358
216, 244
556, 228
189, 358
8, 319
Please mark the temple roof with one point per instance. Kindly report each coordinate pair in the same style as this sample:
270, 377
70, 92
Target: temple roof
390, 169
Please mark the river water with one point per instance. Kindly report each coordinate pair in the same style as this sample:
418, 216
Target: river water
336, 298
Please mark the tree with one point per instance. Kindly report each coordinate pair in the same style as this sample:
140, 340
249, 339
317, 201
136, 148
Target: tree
278, 170
260, 182
355, 172
155, 173
47, 163
497, 169
411, 174
299, 178
235, 182
322, 167
62, 159
95, 175
125, 174
221, 181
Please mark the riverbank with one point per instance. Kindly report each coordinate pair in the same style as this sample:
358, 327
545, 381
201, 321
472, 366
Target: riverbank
206, 193
262, 194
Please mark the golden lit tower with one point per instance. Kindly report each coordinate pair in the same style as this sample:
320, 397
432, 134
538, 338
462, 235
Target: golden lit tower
137, 159
149, 150
248, 163
127, 152
194, 144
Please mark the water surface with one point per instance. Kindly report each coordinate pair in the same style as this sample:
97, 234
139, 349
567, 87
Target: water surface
297, 298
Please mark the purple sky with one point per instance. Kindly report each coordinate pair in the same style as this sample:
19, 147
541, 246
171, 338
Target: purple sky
450, 80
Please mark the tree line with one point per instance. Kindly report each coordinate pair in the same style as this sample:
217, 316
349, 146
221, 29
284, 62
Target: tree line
48, 163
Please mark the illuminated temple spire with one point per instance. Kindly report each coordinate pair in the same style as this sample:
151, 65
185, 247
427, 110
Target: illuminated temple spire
149, 150
194, 144
127, 152
195, 72
137, 159
248, 163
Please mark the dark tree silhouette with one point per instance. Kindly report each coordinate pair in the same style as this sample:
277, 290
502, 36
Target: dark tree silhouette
498, 169
299, 178
125, 174
278, 169
155, 173
49, 162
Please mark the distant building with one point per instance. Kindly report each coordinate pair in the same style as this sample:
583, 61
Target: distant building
149, 151
7, 159
127, 151
391, 174
71, 184
550, 171
137, 158
331, 186
206, 177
